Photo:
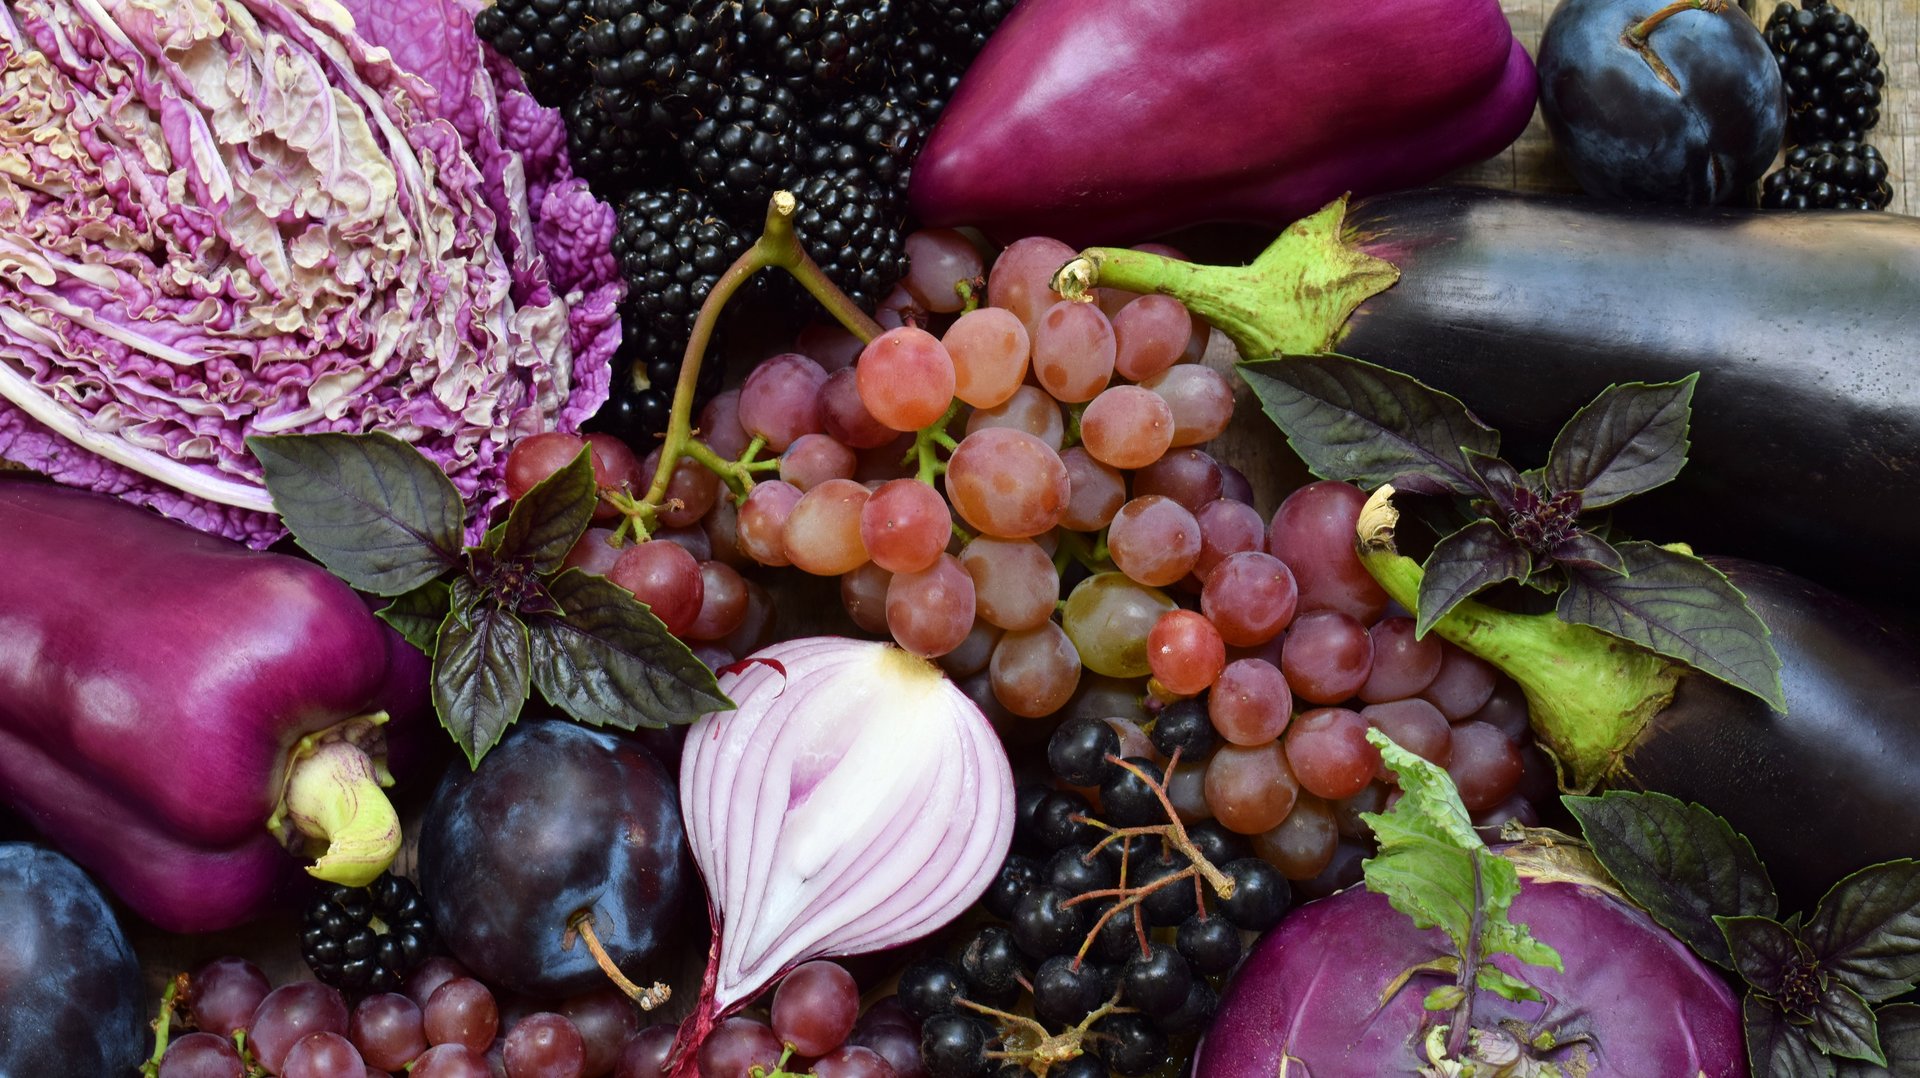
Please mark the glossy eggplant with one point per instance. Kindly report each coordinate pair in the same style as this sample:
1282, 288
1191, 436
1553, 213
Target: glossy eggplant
1825, 787
1804, 327
1114, 120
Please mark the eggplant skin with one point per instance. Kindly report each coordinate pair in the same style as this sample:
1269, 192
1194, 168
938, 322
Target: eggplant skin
1831, 786
1804, 328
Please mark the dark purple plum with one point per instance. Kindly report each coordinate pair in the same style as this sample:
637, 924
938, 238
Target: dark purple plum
1674, 101
70, 987
558, 820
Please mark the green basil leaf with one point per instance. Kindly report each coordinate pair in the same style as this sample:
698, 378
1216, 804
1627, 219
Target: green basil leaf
610, 662
481, 675
1352, 420
547, 520
371, 508
1764, 951
1676, 605
1843, 1025
1866, 930
1899, 1041
1629, 440
1470, 560
1776, 1048
1680, 862
417, 614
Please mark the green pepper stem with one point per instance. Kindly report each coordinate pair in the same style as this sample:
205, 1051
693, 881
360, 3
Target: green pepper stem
333, 801
1590, 695
1292, 299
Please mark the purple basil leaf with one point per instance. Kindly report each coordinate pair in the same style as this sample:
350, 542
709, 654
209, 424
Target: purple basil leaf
1866, 930
1776, 1048
1843, 1025
1899, 1039
1502, 482
1629, 440
1585, 550
482, 671
610, 662
1764, 951
1476, 557
417, 614
1352, 420
1679, 861
548, 519
1676, 605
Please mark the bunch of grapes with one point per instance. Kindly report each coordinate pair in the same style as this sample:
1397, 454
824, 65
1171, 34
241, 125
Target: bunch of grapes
442, 1024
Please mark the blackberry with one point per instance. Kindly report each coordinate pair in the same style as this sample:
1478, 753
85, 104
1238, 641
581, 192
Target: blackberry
1831, 70
815, 46
535, 35
367, 939
671, 248
854, 227
922, 77
962, 26
616, 138
748, 146
671, 48
1844, 175
871, 131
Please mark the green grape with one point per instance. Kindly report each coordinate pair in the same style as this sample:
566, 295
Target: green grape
1108, 618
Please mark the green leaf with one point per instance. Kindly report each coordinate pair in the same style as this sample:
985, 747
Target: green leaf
1676, 605
1629, 440
417, 614
1352, 420
1470, 560
1431, 865
610, 662
1765, 952
1899, 1040
1681, 863
547, 520
371, 508
1843, 1025
1776, 1048
1493, 979
1866, 930
481, 674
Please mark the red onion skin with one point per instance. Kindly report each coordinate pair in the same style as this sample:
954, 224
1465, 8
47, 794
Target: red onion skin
1311, 989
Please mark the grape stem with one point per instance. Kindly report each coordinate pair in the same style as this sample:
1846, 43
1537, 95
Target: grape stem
162, 1025
928, 441
645, 998
1027, 1042
778, 247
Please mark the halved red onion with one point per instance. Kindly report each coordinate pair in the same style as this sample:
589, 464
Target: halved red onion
854, 801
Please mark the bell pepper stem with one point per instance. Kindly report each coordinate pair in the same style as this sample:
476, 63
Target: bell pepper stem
333, 801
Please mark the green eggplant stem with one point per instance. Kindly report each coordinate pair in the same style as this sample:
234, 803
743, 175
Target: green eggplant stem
334, 803
1590, 695
1294, 298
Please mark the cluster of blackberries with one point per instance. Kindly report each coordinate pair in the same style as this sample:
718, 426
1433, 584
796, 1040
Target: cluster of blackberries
1833, 80
688, 114
367, 939
1086, 933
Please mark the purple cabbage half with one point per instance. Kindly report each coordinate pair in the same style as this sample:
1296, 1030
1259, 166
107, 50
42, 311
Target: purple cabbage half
228, 217
1633, 1002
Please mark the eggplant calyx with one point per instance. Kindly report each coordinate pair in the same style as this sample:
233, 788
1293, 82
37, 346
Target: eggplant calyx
333, 806
1590, 695
1294, 298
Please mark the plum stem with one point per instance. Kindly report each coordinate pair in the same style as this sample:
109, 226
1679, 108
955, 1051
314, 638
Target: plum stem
645, 998
1637, 35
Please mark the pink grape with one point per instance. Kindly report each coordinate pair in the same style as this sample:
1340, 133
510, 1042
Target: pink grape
989, 348
1235, 485
863, 594
691, 490
1250, 788
1250, 597
1464, 684
1328, 656
223, 994
1416, 726
1227, 527
939, 260
461, 1011
822, 535
1007, 483
538, 456
720, 427
723, 602
388, 1029
930, 612
780, 400
1328, 751
1185, 652
1029, 409
844, 417
323, 1055
1200, 398
1034, 671
430, 975
813, 459
723, 533
663, 576
814, 1007
1126, 427
646, 1053
905, 525
736, 1046
1154, 540
852, 1061
898, 308
906, 378
1313, 532
1096, 491
1188, 476
1021, 278
1073, 351
291, 1013
1015, 585
1303, 845
1251, 703
1150, 334
762, 528
201, 1055
1402, 665
544, 1045
615, 470
829, 344
451, 1061
1486, 767
973, 653
694, 541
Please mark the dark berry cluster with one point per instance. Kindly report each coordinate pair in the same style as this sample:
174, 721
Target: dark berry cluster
1831, 70
367, 938
1114, 929
725, 102
1844, 175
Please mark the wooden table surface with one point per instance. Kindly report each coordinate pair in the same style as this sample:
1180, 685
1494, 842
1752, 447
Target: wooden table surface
1895, 27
